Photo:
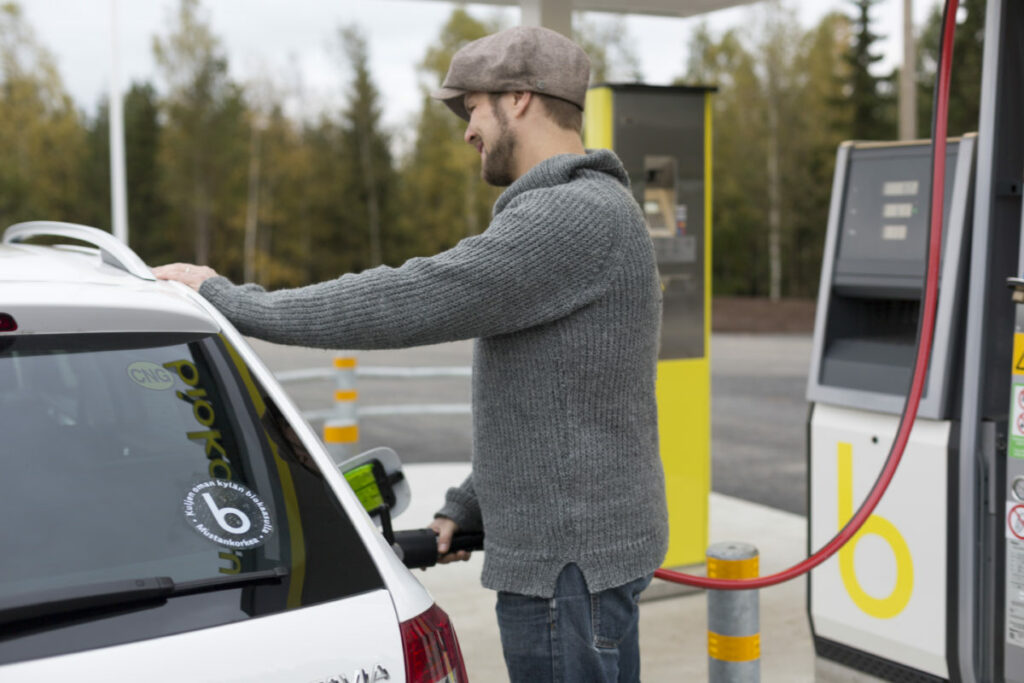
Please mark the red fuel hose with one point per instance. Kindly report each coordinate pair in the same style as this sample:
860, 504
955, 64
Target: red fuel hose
940, 114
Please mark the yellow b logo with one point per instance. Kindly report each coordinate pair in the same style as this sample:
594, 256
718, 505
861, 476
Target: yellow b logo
880, 608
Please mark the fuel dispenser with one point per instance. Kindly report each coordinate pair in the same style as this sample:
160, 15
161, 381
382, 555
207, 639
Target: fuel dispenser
663, 136
932, 586
880, 604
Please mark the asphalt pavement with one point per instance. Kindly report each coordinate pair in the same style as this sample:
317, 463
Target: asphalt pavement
758, 409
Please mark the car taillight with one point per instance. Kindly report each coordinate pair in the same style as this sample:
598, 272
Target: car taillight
7, 323
432, 651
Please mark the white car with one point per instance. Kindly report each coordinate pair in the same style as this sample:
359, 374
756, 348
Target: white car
165, 512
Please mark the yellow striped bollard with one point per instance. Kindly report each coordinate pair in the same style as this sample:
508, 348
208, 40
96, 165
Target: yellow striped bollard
341, 432
734, 638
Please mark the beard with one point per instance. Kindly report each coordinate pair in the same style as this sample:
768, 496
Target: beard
498, 167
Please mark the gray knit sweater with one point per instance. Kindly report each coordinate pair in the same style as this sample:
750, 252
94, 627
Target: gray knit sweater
562, 295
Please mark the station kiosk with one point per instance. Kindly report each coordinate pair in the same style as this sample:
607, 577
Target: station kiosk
882, 605
662, 134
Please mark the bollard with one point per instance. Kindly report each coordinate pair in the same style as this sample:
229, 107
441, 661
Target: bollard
734, 638
341, 431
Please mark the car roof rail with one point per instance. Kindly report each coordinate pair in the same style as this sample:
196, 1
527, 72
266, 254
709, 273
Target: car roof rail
112, 250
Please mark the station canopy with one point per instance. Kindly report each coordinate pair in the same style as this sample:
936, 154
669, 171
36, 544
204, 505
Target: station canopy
557, 14
664, 8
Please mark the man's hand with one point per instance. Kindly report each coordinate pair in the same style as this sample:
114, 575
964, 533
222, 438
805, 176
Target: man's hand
187, 273
445, 528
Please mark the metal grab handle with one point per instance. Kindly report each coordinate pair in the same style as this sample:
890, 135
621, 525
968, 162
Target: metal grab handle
113, 251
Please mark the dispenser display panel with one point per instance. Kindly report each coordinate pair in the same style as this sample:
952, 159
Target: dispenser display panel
883, 237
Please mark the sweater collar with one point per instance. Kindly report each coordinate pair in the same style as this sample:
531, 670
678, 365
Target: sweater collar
560, 169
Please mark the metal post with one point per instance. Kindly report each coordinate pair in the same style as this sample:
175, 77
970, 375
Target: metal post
734, 638
341, 432
908, 77
553, 14
118, 183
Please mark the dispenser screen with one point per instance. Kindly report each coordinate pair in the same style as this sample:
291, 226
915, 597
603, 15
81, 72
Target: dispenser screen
885, 211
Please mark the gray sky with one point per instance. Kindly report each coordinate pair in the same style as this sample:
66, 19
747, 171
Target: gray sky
292, 40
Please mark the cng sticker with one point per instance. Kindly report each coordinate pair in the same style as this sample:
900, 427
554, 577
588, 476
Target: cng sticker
891, 605
150, 375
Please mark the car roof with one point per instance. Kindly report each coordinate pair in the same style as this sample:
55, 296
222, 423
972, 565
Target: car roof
62, 289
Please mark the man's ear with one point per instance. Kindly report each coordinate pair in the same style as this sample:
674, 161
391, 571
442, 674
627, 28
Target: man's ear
520, 102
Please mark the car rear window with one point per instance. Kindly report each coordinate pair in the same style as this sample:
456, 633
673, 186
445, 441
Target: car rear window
135, 456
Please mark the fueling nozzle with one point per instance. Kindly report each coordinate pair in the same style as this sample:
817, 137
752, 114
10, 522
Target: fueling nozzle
417, 548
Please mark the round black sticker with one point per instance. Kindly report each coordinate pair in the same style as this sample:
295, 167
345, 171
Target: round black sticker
228, 514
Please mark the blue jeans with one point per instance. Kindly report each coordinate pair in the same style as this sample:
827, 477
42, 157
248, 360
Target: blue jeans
574, 636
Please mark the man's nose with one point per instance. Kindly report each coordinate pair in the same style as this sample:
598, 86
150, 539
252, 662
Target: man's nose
469, 136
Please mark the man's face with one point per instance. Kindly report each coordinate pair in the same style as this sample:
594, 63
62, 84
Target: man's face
488, 131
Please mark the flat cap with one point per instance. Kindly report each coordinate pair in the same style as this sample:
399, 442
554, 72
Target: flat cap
524, 58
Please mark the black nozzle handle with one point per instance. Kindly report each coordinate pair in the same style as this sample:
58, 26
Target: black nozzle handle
419, 546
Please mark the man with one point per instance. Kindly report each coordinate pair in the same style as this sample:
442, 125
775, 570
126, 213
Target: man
562, 295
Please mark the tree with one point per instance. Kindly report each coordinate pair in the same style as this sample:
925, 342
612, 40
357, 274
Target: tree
611, 52
739, 258
95, 202
42, 140
372, 206
868, 96
776, 125
151, 235
824, 123
202, 148
441, 193
281, 240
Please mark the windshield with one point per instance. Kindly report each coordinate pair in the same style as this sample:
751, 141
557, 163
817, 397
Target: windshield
133, 456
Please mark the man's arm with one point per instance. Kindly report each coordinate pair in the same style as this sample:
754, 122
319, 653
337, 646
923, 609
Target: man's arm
461, 512
525, 270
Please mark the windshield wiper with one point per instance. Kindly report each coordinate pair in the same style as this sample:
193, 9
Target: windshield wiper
70, 600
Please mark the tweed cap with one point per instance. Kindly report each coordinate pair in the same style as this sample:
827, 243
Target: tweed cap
524, 58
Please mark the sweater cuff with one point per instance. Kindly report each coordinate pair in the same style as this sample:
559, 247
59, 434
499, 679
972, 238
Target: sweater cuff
462, 507
213, 286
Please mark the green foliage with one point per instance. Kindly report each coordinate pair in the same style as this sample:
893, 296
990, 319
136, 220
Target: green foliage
371, 199
610, 48
440, 189
42, 139
148, 220
873, 114
94, 204
218, 173
203, 144
776, 112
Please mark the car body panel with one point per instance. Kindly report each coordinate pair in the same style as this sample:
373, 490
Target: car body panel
317, 643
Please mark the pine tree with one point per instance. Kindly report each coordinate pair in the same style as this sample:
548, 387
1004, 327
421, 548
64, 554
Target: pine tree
203, 147
372, 208
869, 97
442, 195
42, 139
149, 232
